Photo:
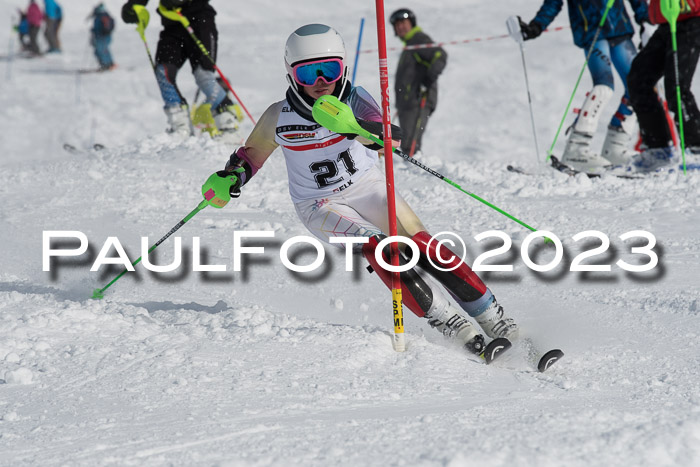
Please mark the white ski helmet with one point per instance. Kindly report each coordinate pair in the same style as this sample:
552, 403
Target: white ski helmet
311, 42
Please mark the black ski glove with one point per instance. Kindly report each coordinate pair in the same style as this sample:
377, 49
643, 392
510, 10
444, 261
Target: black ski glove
529, 30
128, 13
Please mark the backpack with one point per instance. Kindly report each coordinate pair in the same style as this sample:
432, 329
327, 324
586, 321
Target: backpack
23, 26
106, 24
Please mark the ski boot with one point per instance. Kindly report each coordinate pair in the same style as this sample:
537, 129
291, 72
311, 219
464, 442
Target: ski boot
452, 324
616, 146
226, 122
652, 159
577, 153
495, 324
179, 123
579, 156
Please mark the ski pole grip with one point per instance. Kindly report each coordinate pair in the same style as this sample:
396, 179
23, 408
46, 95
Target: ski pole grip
514, 31
173, 15
144, 18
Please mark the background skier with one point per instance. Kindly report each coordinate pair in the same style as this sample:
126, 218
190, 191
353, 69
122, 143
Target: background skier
613, 47
102, 27
23, 30
34, 17
654, 61
54, 16
416, 79
338, 189
175, 46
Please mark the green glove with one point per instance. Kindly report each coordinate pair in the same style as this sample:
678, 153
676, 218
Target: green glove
220, 187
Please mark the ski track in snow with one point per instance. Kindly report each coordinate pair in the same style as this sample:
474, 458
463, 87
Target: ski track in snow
268, 367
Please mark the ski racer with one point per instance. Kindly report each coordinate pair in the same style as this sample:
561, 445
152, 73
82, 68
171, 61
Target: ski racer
416, 79
174, 48
613, 47
654, 61
339, 191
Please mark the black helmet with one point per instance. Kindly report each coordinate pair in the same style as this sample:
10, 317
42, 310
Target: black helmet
403, 13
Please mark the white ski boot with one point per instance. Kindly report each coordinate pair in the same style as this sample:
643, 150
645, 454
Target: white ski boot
450, 322
616, 147
579, 156
179, 123
495, 323
652, 159
577, 153
227, 125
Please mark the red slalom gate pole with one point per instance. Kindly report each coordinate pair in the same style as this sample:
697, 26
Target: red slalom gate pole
398, 342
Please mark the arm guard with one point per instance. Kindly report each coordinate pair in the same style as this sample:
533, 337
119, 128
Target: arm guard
239, 159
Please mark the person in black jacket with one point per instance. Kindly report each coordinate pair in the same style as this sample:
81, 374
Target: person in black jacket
416, 79
175, 46
656, 60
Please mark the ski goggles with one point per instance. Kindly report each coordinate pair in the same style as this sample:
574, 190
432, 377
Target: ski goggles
329, 70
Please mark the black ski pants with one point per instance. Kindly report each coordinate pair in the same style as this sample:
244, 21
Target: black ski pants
413, 121
654, 61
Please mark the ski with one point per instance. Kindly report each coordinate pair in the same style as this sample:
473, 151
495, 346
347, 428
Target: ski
549, 359
74, 150
538, 359
563, 168
559, 166
495, 349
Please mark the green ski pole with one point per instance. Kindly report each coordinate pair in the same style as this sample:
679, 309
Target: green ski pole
144, 17
99, 293
580, 75
671, 9
331, 113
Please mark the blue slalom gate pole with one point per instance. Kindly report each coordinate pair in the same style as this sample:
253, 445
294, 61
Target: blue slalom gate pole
357, 51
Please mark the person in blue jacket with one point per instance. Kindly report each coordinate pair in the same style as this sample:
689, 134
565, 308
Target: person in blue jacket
613, 47
102, 27
54, 16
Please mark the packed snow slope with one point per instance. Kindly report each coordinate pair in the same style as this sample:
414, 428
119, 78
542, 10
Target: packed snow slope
269, 367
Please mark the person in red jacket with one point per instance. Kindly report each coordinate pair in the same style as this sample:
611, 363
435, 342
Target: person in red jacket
652, 63
34, 17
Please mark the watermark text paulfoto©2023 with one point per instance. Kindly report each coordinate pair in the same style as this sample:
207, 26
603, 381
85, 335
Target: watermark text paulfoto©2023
444, 245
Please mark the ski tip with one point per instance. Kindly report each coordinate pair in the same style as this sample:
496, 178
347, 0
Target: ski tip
549, 359
495, 348
97, 294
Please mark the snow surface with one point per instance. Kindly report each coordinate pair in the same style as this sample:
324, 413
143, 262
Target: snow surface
266, 367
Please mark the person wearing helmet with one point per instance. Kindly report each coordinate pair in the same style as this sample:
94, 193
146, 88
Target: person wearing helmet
338, 190
175, 46
613, 47
416, 78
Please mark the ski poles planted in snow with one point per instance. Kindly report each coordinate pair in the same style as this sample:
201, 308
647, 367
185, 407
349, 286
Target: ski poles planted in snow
671, 9
338, 117
175, 15
99, 293
580, 75
514, 30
